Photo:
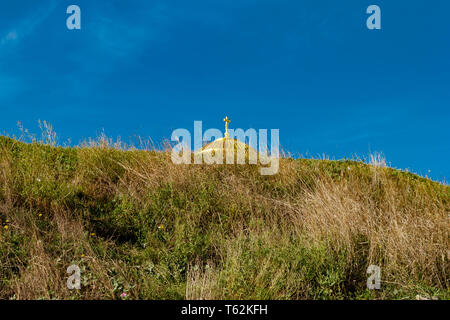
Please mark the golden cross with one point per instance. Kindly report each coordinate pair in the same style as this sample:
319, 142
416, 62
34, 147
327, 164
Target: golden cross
227, 121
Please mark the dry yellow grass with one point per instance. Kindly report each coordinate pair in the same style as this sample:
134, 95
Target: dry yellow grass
165, 231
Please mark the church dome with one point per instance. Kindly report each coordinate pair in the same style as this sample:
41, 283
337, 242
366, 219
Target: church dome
229, 150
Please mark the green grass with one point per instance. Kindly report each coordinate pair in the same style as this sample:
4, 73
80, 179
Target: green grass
136, 223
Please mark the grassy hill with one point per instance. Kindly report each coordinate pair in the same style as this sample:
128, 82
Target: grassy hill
138, 225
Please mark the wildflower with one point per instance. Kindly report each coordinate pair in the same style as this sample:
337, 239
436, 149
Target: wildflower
7, 221
161, 227
40, 214
92, 234
6, 227
38, 180
82, 255
123, 295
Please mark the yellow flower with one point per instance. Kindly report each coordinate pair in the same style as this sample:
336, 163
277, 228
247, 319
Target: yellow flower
161, 227
40, 214
6, 227
7, 221
92, 234
82, 255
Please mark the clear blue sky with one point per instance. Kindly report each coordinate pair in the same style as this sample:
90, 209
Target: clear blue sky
310, 68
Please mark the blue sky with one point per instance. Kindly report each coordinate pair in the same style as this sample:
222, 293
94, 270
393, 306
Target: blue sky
309, 68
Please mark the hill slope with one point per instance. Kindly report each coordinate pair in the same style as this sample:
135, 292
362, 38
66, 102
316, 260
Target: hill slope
137, 224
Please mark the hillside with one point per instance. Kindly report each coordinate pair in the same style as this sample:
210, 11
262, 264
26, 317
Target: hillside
140, 227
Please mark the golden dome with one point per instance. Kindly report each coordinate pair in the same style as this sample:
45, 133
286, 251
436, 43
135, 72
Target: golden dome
228, 150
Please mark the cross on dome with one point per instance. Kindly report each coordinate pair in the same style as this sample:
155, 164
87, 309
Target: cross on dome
227, 121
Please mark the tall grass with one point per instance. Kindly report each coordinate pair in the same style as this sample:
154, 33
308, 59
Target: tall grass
136, 223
